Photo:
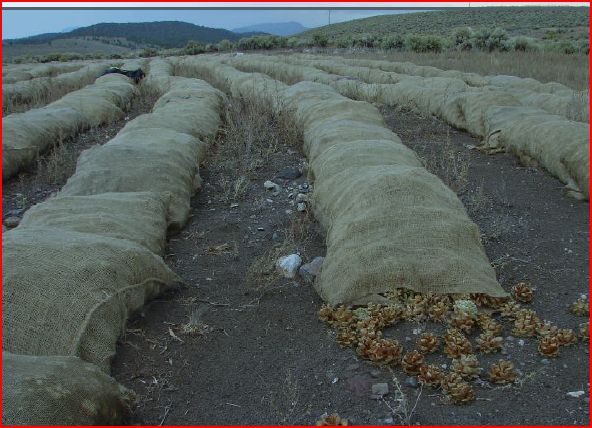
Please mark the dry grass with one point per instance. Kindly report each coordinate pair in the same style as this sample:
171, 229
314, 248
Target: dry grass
448, 163
571, 70
57, 166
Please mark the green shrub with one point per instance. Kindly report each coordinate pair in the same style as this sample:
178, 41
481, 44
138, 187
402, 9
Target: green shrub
148, 52
567, 47
461, 39
424, 43
194, 48
392, 42
225, 45
320, 40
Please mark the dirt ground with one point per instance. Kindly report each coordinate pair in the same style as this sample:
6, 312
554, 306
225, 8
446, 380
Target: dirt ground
259, 355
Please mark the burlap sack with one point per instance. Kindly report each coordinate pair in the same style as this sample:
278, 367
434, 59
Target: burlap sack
70, 293
60, 391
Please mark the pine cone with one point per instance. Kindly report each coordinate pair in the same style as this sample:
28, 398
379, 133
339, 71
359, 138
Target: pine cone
488, 343
580, 308
326, 314
428, 343
480, 299
417, 308
412, 361
549, 346
332, 420
510, 309
502, 372
438, 311
526, 323
546, 328
346, 337
456, 344
492, 327
457, 389
439, 299
364, 347
391, 314
342, 316
369, 327
430, 375
384, 351
584, 332
496, 302
467, 366
522, 292
462, 320
566, 337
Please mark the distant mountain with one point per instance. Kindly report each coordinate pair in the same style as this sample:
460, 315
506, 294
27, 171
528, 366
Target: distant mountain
68, 29
166, 34
276, 28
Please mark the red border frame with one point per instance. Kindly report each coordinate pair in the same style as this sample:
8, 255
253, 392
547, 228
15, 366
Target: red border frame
308, 3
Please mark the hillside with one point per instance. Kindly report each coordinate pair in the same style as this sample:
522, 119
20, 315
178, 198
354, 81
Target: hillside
525, 21
276, 28
165, 34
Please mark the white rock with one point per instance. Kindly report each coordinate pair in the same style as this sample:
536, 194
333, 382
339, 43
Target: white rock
270, 185
575, 394
301, 197
288, 265
301, 206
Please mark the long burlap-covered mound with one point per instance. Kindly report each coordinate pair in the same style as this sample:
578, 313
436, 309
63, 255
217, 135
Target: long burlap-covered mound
12, 73
80, 263
41, 88
26, 135
390, 223
463, 107
60, 391
552, 97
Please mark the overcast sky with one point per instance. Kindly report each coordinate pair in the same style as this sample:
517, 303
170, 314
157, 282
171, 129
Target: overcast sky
23, 23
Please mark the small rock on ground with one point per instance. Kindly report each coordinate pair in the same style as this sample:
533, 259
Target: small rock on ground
309, 271
379, 390
288, 265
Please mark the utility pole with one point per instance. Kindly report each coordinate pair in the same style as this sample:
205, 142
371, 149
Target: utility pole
329, 16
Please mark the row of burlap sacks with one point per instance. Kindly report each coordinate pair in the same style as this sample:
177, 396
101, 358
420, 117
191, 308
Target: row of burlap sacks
389, 222
12, 73
81, 263
26, 135
538, 138
39, 89
472, 79
569, 103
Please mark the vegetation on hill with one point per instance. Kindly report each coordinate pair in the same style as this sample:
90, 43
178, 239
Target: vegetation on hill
516, 21
165, 34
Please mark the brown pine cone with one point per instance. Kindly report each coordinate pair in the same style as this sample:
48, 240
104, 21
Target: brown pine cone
428, 343
496, 302
549, 346
438, 311
456, 344
580, 308
412, 361
546, 328
391, 314
493, 328
457, 389
364, 347
480, 299
332, 420
369, 327
522, 292
502, 372
489, 344
439, 299
417, 308
526, 323
510, 309
430, 375
584, 332
342, 316
462, 320
385, 351
467, 366
566, 337
346, 337
326, 314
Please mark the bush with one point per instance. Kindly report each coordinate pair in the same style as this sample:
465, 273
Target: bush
424, 43
148, 52
567, 48
392, 42
193, 48
320, 40
225, 45
461, 39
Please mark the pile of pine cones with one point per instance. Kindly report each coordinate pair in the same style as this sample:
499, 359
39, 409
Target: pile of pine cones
362, 330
